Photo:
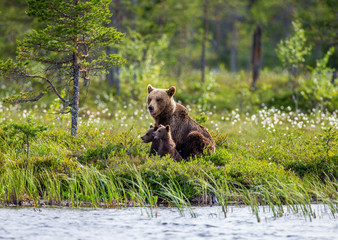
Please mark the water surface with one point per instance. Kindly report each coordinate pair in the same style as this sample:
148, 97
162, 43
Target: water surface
135, 223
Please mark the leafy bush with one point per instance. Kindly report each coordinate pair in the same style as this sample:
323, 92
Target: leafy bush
24, 133
318, 91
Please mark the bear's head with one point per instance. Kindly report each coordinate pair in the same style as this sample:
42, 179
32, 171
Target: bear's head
160, 100
149, 136
163, 132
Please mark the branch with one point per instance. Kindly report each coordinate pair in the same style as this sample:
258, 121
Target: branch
55, 7
55, 62
11, 100
52, 86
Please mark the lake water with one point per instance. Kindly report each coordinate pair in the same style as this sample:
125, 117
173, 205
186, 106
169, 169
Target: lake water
134, 223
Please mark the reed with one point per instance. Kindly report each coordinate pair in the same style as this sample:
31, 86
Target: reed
221, 190
141, 192
173, 194
326, 193
50, 188
116, 192
67, 182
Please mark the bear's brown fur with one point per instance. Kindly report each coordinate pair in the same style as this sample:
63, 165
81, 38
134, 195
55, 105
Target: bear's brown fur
190, 137
167, 144
149, 137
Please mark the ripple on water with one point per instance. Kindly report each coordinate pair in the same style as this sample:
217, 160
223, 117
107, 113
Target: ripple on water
132, 223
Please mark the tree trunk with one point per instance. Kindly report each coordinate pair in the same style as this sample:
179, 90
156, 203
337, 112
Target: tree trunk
161, 19
113, 76
293, 73
116, 77
181, 56
76, 91
218, 28
233, 50
74, 111
256, 56
205, 30
134, 2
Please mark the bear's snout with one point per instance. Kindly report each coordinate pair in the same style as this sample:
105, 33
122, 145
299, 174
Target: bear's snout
145, 140
151, 108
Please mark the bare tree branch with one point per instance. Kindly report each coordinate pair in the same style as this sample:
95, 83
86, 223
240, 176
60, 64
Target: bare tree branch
52, 86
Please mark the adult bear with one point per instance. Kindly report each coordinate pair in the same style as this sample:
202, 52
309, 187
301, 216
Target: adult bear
190, 137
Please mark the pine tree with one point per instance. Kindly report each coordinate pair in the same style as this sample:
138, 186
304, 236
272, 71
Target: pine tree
68, 49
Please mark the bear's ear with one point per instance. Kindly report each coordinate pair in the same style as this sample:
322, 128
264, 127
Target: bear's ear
171, 91
151, 126
167, 128
150, 88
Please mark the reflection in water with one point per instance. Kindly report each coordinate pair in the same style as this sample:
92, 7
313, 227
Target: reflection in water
134, 223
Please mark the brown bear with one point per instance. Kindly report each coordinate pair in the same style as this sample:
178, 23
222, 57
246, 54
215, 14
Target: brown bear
190, 137
149, 137
167, 144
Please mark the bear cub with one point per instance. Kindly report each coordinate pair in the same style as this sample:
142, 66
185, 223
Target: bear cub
167, 144
149, 137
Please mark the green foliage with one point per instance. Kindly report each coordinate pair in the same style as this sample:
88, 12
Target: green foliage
57, 109
202, 118
318, 91
292, 54
70, 43
182, 23
206, 92
293, 50
329, 141
144, 66
64, 23
24, 132
17, 23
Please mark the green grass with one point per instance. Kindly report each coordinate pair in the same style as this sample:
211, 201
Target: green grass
294, 167
271, 157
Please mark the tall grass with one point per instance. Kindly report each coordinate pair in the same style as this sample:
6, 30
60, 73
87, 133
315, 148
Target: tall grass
91, 187
141, 193
173, 194
221, 190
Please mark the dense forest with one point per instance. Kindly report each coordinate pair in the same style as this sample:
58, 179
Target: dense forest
218, 46
227, 27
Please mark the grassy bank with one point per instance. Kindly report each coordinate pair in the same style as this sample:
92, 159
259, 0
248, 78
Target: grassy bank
274, 158
267, 154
